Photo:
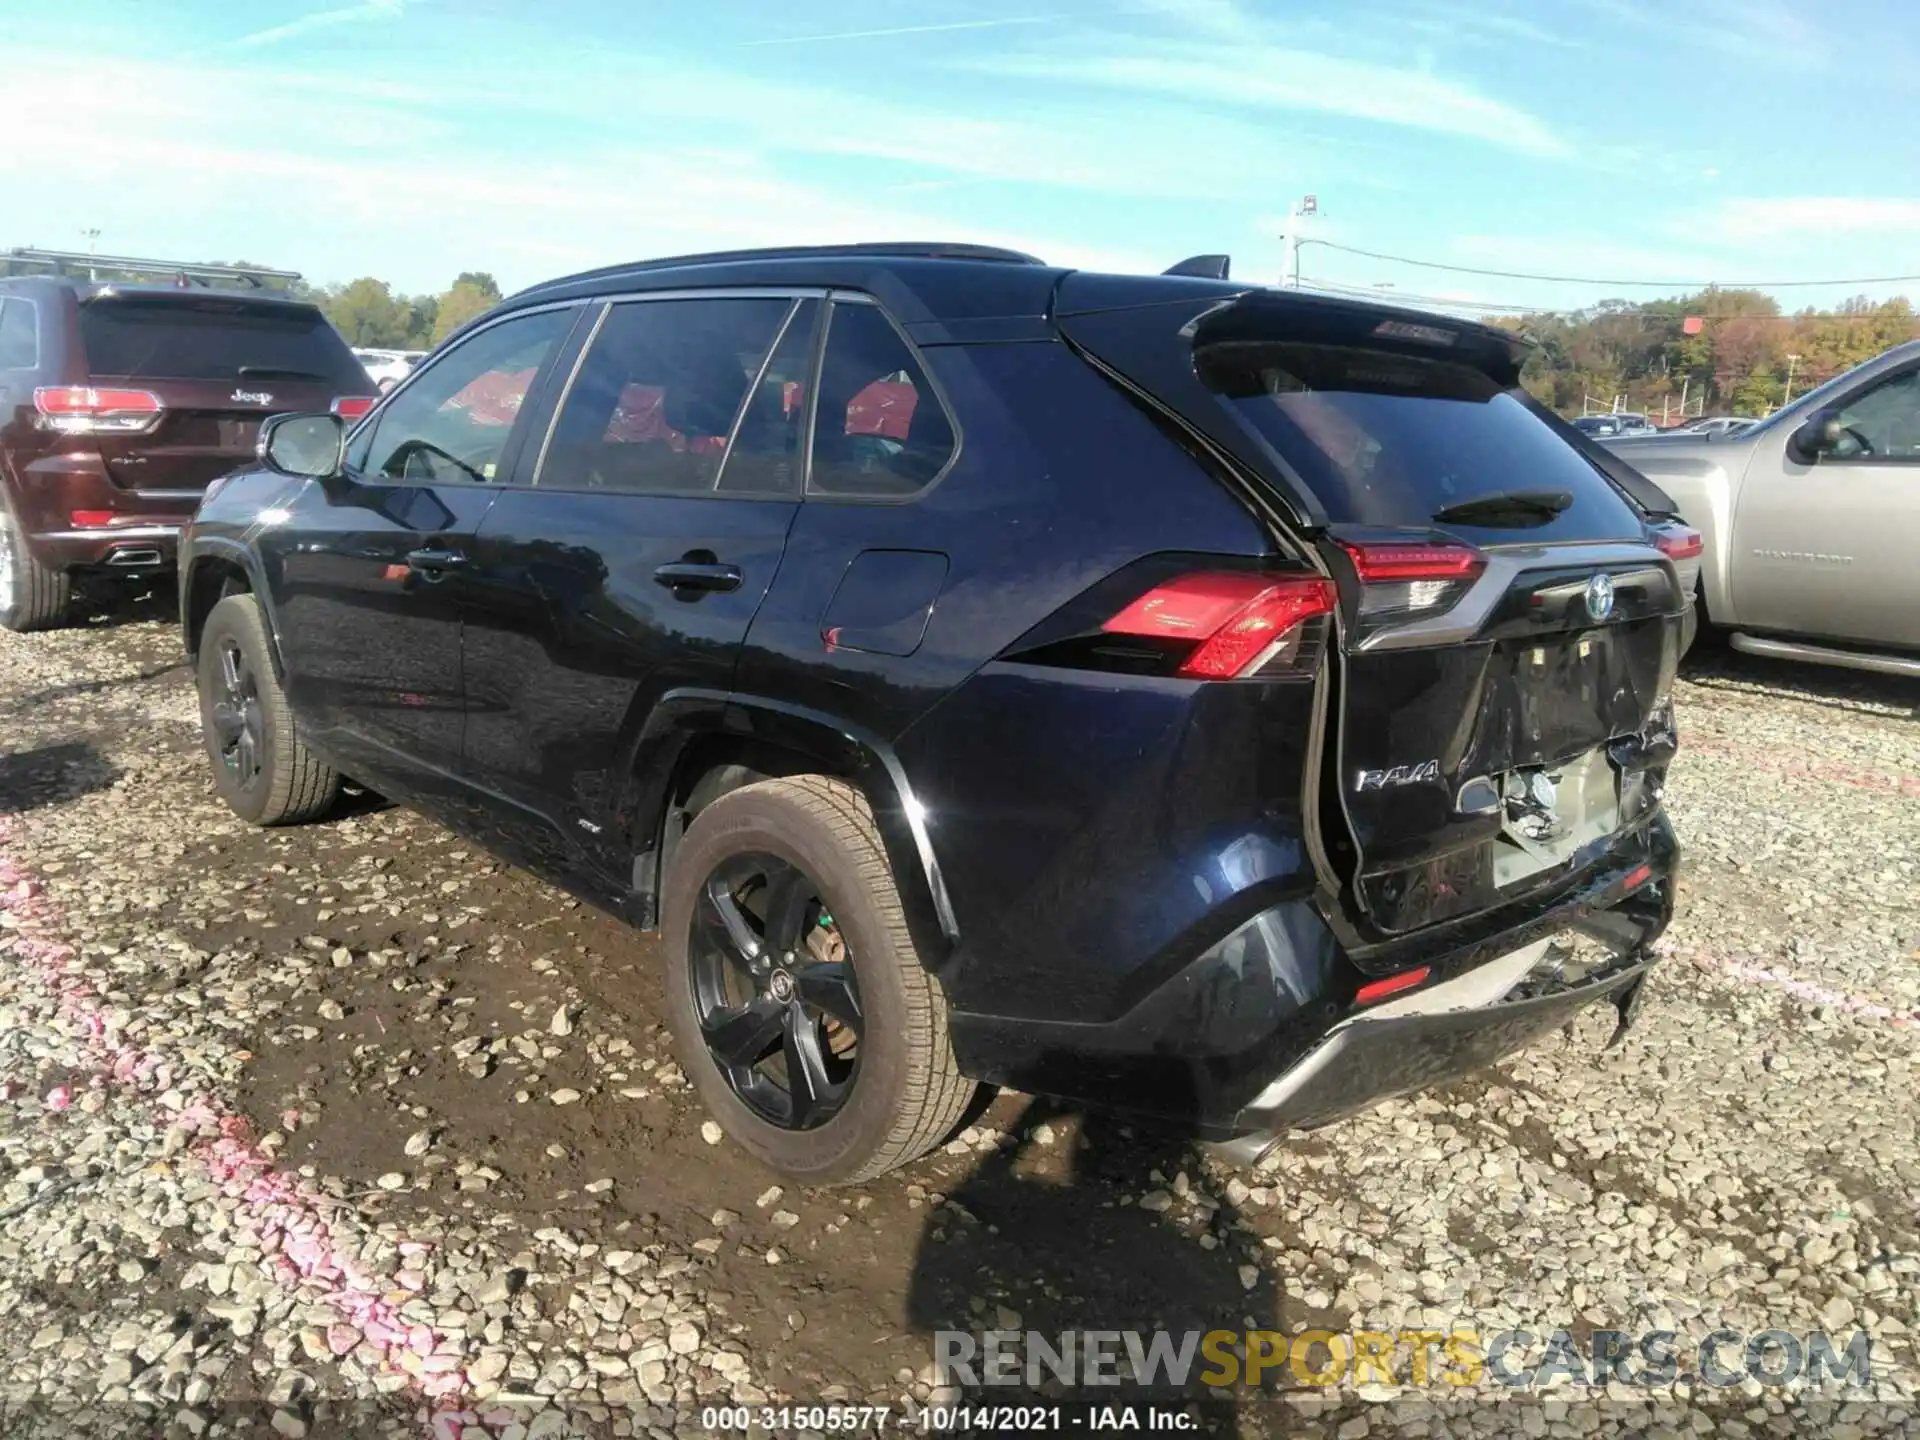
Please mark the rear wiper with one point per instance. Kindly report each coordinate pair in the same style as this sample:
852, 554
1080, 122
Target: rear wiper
1507, 507
275, 372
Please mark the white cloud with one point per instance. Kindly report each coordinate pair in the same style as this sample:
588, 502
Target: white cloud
1214, 53
324, 20
359, 185
1810, 215
897, 30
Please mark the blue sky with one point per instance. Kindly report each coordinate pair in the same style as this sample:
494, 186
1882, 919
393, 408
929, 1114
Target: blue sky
1714, 139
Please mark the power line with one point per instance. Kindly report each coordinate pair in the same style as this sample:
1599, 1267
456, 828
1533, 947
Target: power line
1589, 280
1506, 308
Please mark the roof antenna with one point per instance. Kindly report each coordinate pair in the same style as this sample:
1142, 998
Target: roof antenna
1205, 267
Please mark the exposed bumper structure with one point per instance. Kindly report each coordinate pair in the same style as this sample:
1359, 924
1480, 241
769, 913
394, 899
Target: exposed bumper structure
1267, 1030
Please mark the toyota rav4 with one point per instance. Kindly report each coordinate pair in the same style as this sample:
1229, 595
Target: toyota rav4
1225, 704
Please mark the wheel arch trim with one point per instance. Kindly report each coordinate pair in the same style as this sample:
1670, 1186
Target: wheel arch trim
226, 551
846, 749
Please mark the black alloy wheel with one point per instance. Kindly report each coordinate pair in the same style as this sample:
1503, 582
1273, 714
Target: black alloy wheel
775, 991
239, 721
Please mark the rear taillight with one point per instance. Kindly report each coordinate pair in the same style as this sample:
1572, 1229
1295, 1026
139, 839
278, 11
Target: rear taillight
1677, 542
352, 407
84, 410
1403, 580
91, 519
1239, 624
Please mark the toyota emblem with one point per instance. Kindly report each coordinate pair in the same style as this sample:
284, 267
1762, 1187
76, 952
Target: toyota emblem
1600, 597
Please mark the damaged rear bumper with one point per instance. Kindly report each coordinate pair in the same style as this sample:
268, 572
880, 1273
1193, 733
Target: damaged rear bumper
1435, 1036
1268, 1030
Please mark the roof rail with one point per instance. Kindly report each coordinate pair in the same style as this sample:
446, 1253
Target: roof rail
1206, 267
60, 262
876, 249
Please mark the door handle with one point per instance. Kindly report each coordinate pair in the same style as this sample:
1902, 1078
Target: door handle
434, 563
693, 575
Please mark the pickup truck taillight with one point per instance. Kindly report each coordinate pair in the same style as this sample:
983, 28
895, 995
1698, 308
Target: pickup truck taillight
1677, 542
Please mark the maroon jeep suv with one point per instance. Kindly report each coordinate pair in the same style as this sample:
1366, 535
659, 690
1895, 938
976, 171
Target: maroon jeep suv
119, 403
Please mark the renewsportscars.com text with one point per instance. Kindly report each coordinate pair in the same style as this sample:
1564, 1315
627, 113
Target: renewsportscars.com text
1459, 1358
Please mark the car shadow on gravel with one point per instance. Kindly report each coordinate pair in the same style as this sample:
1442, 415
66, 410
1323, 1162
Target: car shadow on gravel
52, 775
1721, 667
53, 694
109, 607
1088, 1223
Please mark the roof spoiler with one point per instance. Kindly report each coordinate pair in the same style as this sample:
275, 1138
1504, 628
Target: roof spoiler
1263, 315
1203, 267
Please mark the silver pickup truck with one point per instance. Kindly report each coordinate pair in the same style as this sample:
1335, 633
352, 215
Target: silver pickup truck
1811, 519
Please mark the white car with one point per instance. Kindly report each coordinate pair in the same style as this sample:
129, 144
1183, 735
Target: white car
389, 367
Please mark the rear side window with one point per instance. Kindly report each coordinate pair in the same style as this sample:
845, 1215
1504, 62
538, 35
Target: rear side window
1391, 439
881, 430
214, 338
18, 348
655, 400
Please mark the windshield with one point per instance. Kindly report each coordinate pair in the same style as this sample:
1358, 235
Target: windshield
1390, 439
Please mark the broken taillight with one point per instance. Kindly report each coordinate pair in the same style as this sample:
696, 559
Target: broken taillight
1405, 580
1241, 624
84, 410
1376, 990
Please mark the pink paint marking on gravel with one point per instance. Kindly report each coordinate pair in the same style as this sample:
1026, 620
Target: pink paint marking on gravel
1807, 990
285, 1212
1879, 781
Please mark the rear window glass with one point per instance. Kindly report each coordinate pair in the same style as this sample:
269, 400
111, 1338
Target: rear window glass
880, 430
215, 339
1391, 439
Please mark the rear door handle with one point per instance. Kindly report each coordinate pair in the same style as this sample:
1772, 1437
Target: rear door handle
435, 562
692, 575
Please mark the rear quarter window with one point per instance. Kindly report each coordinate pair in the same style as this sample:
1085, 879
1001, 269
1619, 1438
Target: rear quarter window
215, 338
1390, 439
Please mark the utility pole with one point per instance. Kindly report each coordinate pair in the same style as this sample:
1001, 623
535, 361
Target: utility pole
1306, 207
1792, 360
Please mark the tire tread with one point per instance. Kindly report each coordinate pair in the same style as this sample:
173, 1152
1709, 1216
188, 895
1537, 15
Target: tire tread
45, 594
937, 1093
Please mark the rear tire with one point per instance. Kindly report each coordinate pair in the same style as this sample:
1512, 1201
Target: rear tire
32, 596
260, 767
905, 1091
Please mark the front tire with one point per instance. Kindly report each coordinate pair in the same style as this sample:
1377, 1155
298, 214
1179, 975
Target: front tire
799, 1005
32, 596
260, 767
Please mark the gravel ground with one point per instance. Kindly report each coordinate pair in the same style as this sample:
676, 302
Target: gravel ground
352, 1128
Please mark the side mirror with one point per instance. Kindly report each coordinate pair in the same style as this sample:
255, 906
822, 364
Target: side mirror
309, 446
1819, 434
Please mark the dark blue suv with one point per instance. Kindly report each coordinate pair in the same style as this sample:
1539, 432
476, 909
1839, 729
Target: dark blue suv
1225, 704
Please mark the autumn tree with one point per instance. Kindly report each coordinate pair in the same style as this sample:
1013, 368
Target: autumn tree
473, 293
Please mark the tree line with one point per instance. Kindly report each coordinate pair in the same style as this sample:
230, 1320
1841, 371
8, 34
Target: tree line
1718, 352
1722, 352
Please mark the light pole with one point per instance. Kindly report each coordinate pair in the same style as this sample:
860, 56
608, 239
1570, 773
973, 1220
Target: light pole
1792, 360
92, 234
1305, 208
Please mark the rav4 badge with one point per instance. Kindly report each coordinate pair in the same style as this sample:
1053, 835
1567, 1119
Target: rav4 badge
1424, 773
